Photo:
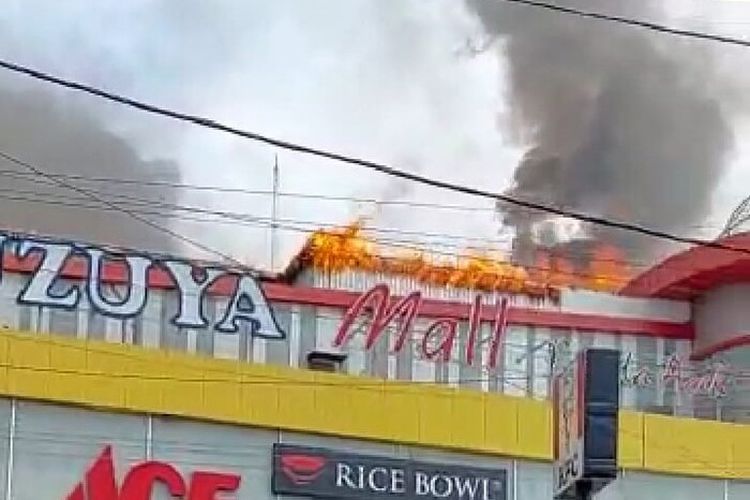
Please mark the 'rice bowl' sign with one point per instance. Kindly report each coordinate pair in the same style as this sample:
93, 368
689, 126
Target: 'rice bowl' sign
324, 473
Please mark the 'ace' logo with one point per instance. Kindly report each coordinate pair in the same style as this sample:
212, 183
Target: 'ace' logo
100, 482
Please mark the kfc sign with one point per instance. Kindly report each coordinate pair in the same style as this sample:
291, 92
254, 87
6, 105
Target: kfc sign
140, 482
316, 472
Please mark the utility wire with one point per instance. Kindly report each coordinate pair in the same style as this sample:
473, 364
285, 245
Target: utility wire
369, 164
176, 211
137, 201
252, 192
420, 248
639, 23
93, 196
282, 194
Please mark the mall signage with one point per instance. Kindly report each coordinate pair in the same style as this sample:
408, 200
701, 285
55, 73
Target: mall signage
142, 480
324, 473
713, 380
585, 410
439, 339
247, 304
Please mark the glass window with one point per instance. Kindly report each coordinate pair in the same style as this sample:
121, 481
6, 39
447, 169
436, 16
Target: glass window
469, 375
307, 335
277, 351
424, 369
652, 487
516, 353
405, 362
24, 317
646, 360
542, 364
534, 481
738, 490
376, 359
191, 446
54, 446
63, 321
328, 323
97, 325
172, 336
204, 337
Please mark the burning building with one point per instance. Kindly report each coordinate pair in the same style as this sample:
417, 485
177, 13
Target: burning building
201, 379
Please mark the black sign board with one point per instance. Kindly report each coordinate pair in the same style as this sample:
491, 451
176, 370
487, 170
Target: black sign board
318, 472
587, 401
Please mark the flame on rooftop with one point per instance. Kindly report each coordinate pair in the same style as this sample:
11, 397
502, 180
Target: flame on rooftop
349, 248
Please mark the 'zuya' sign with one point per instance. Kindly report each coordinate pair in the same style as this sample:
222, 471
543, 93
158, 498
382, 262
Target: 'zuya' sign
317, 472
45, 287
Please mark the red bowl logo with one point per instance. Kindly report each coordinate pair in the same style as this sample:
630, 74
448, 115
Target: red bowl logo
302, 469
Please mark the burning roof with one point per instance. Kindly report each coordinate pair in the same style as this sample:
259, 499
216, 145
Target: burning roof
349, 248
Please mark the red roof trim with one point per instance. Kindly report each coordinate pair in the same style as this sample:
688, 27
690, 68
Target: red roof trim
115, 272
687, 274
706, 352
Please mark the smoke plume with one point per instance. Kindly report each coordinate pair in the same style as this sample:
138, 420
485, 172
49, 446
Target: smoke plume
60, 137
621, 122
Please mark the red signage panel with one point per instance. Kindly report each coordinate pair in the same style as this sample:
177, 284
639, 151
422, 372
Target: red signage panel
139, 482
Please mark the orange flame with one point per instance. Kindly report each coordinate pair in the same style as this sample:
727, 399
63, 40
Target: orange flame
348, 248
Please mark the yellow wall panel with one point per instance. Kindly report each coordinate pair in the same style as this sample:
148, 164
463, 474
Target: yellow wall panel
501, 423
739, 452
535, 428
685, 446
29, 351
259, 402
366, 416
141, 394
401, 413
127, 378
102, 390
67, 357
297, 401
224, 400
467, 422
333, 403
435, 416
630, 444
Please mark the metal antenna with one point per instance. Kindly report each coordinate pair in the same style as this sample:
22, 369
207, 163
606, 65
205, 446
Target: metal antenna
738, 218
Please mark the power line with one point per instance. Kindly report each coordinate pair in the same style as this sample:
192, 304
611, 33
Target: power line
265, 192
661, 28
550, 274
253, 192
239, 216
308, 227
136, 204
87, 193
416, 246
369, 164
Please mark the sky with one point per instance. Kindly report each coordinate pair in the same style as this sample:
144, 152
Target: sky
389, 80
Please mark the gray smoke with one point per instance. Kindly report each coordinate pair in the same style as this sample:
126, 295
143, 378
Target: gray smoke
621, 122
59, 136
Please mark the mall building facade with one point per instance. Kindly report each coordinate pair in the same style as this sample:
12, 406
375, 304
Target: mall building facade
137, 376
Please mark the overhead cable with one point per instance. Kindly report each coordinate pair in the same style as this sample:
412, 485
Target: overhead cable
369, 164
114, 206
629, 21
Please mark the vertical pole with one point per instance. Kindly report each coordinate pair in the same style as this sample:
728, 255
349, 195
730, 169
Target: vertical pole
274, 209
11, 450
149, 436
